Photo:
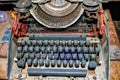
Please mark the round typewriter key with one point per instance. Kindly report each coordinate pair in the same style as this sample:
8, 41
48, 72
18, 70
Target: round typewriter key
81, 43
92, 65
87, 43
25, 49
60, 49
31, 49
21, 64
38, 55
86, 56
53, 63
34, 42
41, 62
57, 42
65, 63
77, 63
56, 55
37, 49
48, 49
75, 42
83, 63
74, 56
31, 55
71, 63
93, 56
26, 56
72, 49
47, 63
46, 42
80, 56
66, 49
59, 63
19, 56
51, 42
29, 62
23, 42
28, 42
19, 49
68, 56
69, 42
54, 49
35, 63
63, 42
62, 55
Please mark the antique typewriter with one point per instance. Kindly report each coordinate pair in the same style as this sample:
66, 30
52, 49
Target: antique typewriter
59, 40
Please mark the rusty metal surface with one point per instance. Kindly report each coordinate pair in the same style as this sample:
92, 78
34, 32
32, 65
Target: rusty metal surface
114, 41
65, 7
56, 22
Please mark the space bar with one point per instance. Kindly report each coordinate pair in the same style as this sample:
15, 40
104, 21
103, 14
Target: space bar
57, 72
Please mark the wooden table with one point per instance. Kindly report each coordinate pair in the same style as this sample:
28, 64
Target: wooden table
114, 41
3, 47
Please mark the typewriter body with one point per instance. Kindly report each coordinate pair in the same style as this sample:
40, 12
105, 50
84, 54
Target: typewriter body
59, 40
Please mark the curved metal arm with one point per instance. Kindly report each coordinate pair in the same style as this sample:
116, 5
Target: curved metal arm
40, 1
75, 0
45, 1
